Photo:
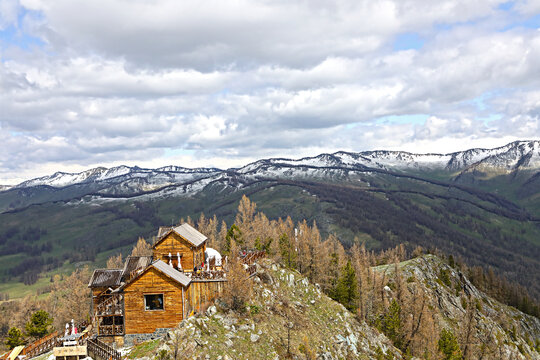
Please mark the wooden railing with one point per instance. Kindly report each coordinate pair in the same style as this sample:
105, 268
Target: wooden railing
111, 330
85, 335
41, 346
208, 275
98, 350
251, 257
112, 305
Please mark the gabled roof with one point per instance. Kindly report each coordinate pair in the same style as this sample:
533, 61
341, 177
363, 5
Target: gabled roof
134, 263
164, 230
165, 269
106, 278
187, 232
172, 273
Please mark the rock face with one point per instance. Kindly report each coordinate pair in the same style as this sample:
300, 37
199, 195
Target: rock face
284, 306
497, 330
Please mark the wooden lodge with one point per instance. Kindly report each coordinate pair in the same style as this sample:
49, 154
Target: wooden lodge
152, 294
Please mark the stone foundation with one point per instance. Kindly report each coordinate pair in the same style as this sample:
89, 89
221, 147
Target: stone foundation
131, 339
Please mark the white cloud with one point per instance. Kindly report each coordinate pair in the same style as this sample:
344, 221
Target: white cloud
9, 10
130, 82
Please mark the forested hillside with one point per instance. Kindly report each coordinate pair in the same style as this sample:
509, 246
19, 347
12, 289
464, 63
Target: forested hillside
424, 304
481, 206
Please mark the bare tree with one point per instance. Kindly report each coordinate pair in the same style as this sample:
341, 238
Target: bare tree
115, 262
142, 248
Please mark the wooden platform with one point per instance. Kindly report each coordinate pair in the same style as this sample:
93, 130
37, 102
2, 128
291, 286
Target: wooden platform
70, 352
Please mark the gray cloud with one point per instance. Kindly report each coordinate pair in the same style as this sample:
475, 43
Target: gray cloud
228, 83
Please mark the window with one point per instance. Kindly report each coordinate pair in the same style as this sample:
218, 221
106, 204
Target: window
153, 302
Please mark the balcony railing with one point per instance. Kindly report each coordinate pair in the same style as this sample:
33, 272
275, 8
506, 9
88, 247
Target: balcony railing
112, 305
111, 330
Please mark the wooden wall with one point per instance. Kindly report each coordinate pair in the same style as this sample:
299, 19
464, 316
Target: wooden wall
200, 292
173, 244
140, 321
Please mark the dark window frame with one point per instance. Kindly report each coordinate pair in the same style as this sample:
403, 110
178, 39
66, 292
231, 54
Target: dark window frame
162, 302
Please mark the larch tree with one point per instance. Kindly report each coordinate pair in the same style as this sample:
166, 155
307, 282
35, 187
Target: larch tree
244, 220
70, 298
142, 248
222, 237
238, 287
333, 258
115, 262
208, 227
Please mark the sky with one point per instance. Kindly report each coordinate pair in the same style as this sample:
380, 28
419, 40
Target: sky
223, 83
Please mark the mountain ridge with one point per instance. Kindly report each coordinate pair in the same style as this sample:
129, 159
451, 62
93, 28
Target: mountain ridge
511, 157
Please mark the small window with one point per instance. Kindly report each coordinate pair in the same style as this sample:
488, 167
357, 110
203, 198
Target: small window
153, 302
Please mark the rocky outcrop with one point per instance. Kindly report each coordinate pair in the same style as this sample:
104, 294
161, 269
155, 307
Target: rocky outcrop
286, 313
496, 330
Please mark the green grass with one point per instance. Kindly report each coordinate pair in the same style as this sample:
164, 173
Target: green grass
143, 349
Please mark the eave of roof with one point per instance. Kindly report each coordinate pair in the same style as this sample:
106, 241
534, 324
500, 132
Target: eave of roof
105, 278
165, 269
187, 232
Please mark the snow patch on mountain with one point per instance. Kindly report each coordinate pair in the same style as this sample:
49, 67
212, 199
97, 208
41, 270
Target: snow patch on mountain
130, 181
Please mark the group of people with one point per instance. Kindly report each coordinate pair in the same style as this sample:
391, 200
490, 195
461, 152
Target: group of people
71, 329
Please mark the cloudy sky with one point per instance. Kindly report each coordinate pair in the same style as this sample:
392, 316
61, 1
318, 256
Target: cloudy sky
221, 83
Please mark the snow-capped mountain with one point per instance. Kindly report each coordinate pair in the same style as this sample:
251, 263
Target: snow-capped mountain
121, 174
124, 181
516, 155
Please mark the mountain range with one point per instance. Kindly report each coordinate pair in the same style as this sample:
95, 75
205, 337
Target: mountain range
124, 181
482, 205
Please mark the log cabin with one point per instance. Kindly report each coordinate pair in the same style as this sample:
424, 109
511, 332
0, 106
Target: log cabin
152, 294
182, 246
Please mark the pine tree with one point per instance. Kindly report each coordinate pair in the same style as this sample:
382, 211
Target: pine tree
448, 346
287, 251
39, 324
346, 289
233, 235
14, 338
391, 324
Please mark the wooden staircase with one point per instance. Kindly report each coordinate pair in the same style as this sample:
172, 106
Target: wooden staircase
41, 346
98, 350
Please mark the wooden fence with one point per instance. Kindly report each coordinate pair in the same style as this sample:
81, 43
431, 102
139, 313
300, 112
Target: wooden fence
253, 256
98, 350
41, 346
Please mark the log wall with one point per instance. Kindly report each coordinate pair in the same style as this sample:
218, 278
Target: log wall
137, 319
201, 292
173, 244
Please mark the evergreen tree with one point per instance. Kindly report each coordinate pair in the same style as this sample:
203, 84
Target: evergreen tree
39, 324
232, 234
14, 338
391, 324
346, 289
448, 346
287, 250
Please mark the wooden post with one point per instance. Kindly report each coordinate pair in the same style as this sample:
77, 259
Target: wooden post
183, 305
123, 315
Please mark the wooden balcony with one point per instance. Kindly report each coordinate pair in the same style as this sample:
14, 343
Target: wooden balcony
111, 305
